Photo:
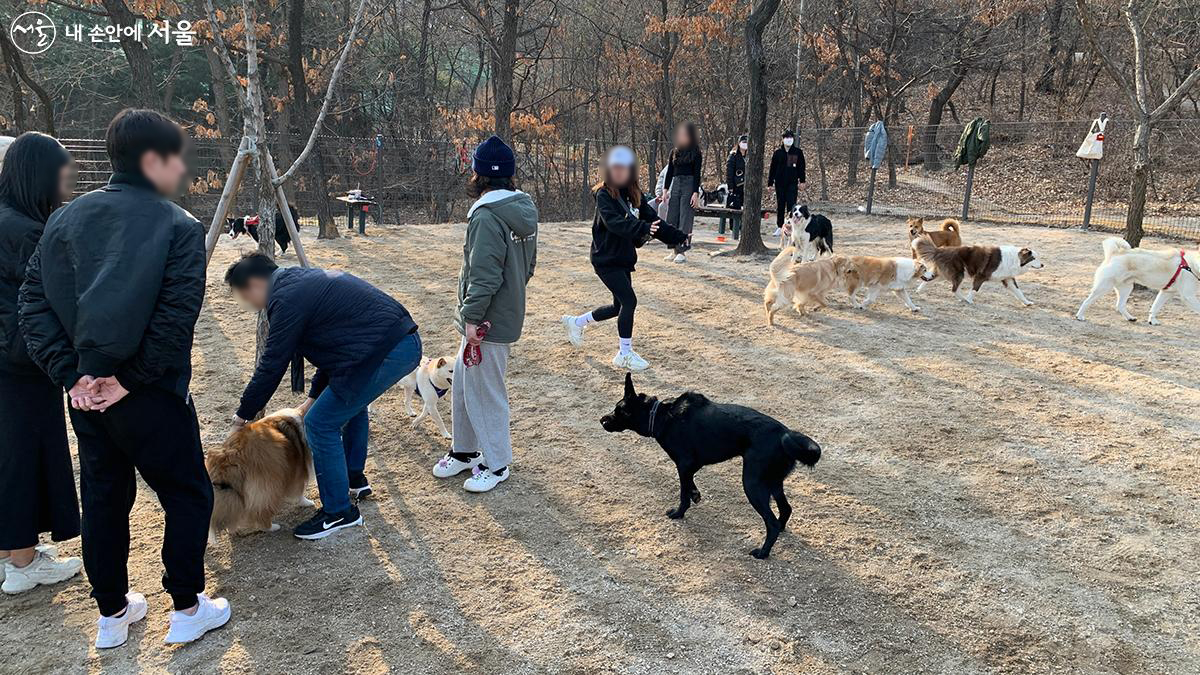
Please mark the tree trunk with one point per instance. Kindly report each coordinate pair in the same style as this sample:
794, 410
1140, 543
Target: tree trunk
751, 240
929, 143
326, 223
1141, 177
141, 67
17, 75
503, 64
1045, 82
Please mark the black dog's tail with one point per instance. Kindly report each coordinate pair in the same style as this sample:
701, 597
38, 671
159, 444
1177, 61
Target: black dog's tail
801, 448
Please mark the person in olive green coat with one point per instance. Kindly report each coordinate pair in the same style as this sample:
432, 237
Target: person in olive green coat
498, 261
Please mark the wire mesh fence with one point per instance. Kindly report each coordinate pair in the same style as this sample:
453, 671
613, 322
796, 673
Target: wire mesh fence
1030, 174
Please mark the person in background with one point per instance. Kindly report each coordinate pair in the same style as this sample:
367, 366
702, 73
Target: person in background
660, 188
787, 177
498, 261
735, 181
108, 310
37, 482
624, 222
683, 185
361, 340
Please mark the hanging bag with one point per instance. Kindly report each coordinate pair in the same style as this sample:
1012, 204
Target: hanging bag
1093, 144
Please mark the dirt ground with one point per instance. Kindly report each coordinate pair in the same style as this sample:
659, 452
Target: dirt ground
1003, 489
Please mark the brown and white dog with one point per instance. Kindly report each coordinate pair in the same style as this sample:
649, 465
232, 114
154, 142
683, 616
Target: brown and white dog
981, 263
1172, 272
876, 274
431, 380
260, 469
802, 284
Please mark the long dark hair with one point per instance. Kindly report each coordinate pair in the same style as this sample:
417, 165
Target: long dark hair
29, 179
689, 152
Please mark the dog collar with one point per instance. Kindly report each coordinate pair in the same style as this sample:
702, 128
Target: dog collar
653, 412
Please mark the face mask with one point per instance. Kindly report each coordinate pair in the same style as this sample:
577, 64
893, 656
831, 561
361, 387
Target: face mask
787, 142
743, 145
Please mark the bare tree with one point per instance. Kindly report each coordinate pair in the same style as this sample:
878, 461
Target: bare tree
1139, 92
756, 24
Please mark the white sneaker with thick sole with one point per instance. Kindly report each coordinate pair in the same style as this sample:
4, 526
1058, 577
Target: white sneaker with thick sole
483, 480
670, 256
574, 331
113, 631
209, 615
630, 361
449, 466
680, 258
43, 571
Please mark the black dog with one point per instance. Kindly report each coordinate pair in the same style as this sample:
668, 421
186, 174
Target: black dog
696, 432
818, 228
238, 226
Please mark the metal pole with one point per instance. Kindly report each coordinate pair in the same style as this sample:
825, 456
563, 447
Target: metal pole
871, 190
967, 192
379, 177
1091, 194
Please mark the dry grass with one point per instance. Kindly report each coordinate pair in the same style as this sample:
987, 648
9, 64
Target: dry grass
1003, 490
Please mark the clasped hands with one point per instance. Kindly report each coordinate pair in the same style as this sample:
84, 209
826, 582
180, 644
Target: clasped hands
96, 394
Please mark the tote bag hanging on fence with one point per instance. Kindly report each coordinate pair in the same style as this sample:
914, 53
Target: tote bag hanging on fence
1093, 144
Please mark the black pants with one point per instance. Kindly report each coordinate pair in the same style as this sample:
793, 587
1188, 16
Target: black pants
785, 201
37, 483
620, 282
155, 432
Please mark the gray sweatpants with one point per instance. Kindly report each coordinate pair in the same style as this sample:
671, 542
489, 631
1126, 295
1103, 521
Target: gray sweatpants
479, 407
679, 209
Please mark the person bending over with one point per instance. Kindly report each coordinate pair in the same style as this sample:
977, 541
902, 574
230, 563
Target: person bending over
624, 221
361, 341
108, 310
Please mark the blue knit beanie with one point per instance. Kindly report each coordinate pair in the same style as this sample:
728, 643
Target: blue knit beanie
494, 159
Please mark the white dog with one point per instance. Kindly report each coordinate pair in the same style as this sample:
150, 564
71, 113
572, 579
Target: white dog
431, 380
1172, 272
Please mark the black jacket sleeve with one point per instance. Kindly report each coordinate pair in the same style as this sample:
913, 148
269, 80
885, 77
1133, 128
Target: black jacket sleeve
670, 172
617, 219
697, 171
646, 212
775, 168
286, 326
731, 171
800, 167
167, 339
46, 339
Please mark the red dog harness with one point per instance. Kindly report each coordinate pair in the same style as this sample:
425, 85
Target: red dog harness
1183, 265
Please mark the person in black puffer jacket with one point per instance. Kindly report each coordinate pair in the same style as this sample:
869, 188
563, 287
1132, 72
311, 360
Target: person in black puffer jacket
735, 180
37, 483
108, 309
624, 222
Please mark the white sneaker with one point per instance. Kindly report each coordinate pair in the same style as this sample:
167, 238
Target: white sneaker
43, 571
630, 361
483, 480
209, 615
449, 466
574, 331
670, 255
113, 631
680, 258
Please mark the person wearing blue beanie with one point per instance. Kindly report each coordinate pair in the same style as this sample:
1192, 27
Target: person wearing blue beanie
498, 260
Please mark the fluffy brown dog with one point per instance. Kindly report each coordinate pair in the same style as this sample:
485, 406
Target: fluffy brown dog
801, 284
262, 467
875, 274
981, 263
947, 236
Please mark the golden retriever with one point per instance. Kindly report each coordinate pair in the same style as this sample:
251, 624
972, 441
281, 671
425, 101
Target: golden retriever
803, 284
261, 468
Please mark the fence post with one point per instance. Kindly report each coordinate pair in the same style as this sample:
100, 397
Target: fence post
967, 192
1091, 193
379, 178
871, 190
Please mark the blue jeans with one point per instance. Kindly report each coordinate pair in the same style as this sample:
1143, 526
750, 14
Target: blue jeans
336, 425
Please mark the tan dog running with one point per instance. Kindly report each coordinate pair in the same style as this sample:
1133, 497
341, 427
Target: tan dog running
261, 468
876, 274
801, 285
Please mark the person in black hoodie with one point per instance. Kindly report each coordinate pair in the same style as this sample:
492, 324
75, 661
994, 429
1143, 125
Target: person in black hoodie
787, 177
108, 309
624, 222
735, 181
37, 483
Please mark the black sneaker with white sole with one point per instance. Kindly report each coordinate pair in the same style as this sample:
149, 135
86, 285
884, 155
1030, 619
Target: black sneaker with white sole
324, 524
359, 487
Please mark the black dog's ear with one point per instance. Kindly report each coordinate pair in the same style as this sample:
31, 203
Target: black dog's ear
629, 392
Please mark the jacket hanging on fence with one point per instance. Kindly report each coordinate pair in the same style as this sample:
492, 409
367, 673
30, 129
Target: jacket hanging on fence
974, 143
875, 144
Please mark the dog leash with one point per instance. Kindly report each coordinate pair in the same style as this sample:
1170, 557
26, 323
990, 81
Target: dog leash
1183, 265
653, 412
